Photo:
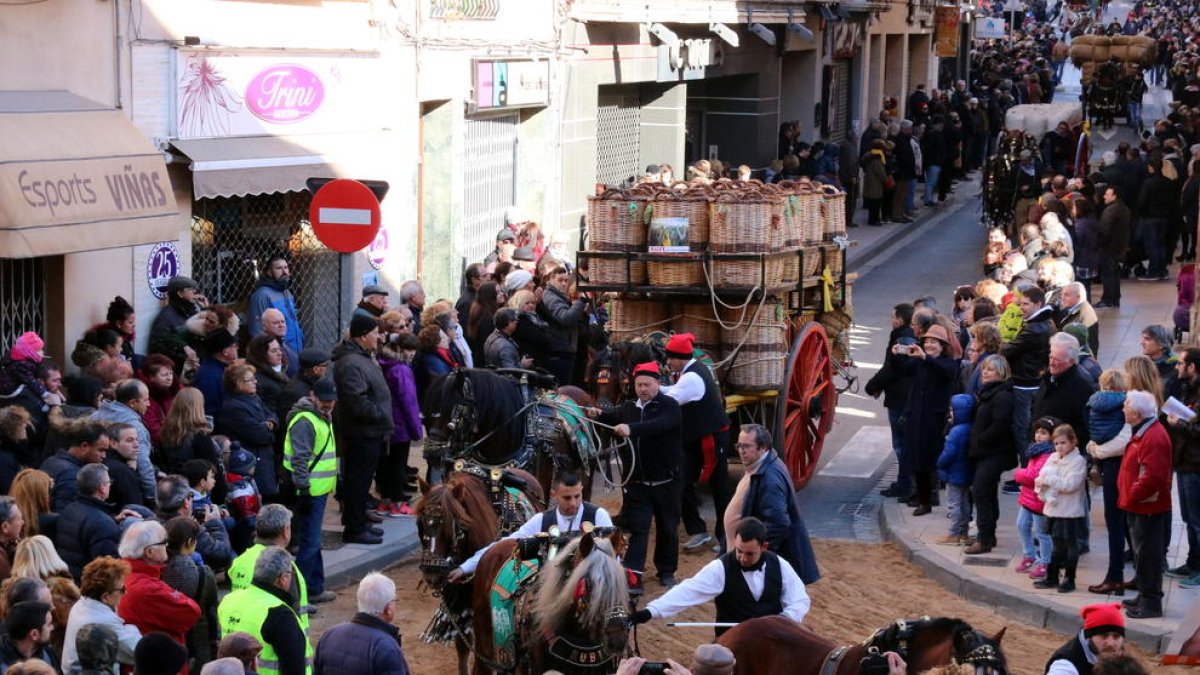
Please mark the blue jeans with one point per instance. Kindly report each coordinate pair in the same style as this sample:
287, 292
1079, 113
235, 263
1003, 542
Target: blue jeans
306, 532
932, 174
1058, 71
1153, 234
1032, 526
1135, 115
1189, 509
904, 478
958, 501
1114, 520
910, 197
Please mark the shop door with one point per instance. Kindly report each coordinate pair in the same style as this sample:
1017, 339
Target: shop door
22, 299
491, 183
839, 122
232, 238
618, 135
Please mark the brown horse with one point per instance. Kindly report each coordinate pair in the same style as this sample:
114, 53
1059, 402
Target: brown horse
776, 645
455, 519
573, 616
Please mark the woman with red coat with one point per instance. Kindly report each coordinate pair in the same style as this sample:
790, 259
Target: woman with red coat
158, 372
149, 603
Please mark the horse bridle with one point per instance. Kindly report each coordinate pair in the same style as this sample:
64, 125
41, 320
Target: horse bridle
433, 518
897, 637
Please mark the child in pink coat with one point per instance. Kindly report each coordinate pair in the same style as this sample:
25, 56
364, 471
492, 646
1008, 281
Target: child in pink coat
1031, 524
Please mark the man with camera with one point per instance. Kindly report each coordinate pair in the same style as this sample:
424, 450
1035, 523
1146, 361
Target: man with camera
746, 583
711, 659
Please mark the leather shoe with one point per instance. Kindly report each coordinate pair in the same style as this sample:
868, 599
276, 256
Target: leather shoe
377, 531
374, 517
1143, 612
362, 538
667, 580
922, 510
1106, 305
977, 548
1130, 585
1107, 588
1131, 602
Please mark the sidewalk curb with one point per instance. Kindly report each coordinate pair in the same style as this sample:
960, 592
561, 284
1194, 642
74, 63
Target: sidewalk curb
1034, 610
375, 558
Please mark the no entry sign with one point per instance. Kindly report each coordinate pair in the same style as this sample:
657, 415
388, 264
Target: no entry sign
345, 215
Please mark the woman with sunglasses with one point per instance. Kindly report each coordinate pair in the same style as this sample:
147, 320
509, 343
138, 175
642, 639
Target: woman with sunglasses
102, 588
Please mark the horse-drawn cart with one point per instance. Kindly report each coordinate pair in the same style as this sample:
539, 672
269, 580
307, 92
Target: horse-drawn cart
756, 272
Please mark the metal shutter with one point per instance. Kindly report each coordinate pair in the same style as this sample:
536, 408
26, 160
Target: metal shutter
618, 136
841, 99
22, 299
491, 182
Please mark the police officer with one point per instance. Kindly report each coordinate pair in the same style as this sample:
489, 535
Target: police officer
705, 439
567, 517
310, 455
746, 583
267, 611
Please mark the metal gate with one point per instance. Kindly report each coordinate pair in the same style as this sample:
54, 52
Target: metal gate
618, 135
840, 111
491, 182
232, 238
22, 299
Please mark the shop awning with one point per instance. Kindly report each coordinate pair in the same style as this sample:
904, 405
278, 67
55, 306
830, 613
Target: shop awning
228, 167
76, 176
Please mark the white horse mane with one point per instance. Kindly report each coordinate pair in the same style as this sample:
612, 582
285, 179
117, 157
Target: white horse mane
556, 598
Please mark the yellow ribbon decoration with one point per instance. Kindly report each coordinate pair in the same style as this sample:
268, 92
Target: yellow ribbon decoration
827, 287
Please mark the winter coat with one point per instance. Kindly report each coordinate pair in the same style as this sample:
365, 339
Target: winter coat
991, 434
212, 544
210, 380
427, 368
562, 319
62, 467
124, 489
1113, 228
243, 418
501, 351
1185, 436
269, 294
10, 655
892, 380
1061, 484
166, 333
113, 412
86, 611
364, 408
270, 386
925, 412
365, 645
298, 387
406, 408
1087, 244
152, 606
953, 465
532, 337
1144, 482
1106, 415
874, 175
1065, 398
86, 531
772, 499
1028, 354
197, 581
906, 158
161, 400
1035, 457
1085, 315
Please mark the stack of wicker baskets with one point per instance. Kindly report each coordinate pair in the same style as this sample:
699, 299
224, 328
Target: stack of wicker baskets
741, 224
681, 203
758, 345
631, 318
833, 212
616, 221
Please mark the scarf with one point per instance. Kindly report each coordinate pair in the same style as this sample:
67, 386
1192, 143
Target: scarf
737, 503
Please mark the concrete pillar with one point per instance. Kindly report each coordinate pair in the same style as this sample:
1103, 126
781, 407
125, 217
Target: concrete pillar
799, 90
923, 66
893, 79
664, 113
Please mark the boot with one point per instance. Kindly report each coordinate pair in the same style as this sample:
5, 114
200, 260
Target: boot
1051, 580
1068, 584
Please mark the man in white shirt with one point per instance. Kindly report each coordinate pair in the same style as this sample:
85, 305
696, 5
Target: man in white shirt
746, 583
568, 516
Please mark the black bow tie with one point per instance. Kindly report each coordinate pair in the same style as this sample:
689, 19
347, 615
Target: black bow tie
756, 567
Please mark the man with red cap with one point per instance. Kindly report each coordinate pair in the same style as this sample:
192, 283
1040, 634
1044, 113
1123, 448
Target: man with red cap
651, 422
705, 439
1102, 637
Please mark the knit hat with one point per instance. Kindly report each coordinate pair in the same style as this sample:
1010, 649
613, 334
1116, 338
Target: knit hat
361, 325
158, 654
218, 340
713, 659
516, 280
96, 646
1080, 333
1103, 618
311, 357
241, 461
28, 347
681, 346
649, 369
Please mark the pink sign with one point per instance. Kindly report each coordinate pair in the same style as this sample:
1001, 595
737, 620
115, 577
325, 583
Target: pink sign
284, 93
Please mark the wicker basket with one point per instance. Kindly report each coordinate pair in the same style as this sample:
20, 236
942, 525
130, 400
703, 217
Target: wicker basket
811, 222
616, 223
629, 318
768, 272
792, 231
760, 343
813, 259
746, 223
835, 259
692, 205
697, 318
833, 209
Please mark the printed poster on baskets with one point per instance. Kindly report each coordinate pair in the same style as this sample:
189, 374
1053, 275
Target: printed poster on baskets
668, 235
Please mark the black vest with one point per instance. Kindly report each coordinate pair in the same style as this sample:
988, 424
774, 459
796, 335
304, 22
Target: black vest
550, 517
736, 604
706, 416
1074, 652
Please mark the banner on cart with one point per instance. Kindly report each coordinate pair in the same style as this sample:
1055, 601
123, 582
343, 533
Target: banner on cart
669, 235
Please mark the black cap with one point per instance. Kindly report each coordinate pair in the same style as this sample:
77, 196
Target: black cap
360, 325
180, 283
373, 289
505, 234
325, 390
311, 357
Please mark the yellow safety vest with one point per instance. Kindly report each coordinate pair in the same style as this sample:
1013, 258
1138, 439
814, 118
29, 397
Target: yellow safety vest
322, 476
245, 611
241, 574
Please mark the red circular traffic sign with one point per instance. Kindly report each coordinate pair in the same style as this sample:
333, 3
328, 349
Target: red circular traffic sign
345, 215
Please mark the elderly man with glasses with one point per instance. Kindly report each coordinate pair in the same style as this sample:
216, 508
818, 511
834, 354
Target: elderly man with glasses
149, 603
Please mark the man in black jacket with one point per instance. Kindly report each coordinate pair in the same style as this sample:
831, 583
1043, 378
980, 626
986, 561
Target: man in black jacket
86, 528
1028, 355
1185, 444
906, 172
893, 383
363, 421
89, 441
652, 422
562, 318
1065, 388
1157, 200
1112, 238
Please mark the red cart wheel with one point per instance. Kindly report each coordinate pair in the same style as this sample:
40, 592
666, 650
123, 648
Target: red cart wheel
804, 411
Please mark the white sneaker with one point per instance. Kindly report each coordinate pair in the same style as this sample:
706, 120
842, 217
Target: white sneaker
698, 541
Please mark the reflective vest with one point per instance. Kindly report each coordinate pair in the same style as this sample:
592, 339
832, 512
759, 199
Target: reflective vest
322, 475
241, 574
245, 611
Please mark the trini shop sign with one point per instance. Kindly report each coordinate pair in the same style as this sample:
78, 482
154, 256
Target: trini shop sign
689, 59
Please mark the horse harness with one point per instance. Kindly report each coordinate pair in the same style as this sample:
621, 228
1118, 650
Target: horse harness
898, 638
504, 489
